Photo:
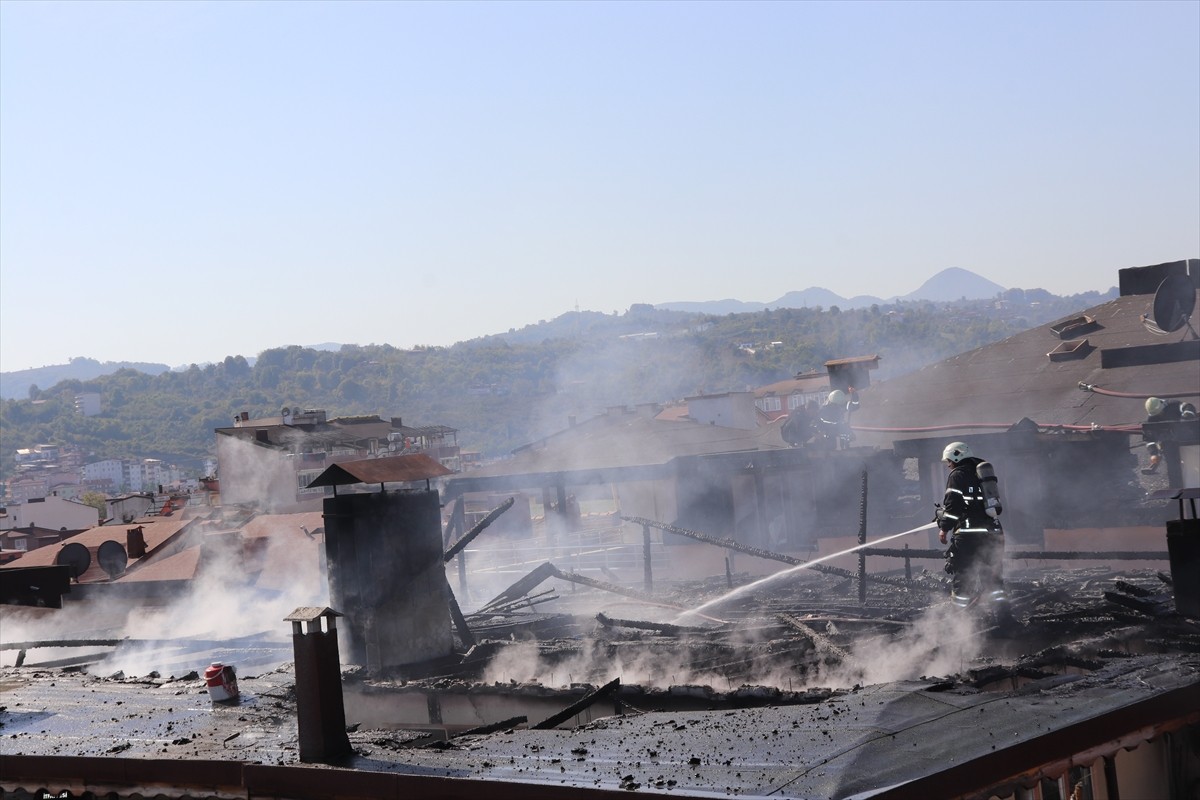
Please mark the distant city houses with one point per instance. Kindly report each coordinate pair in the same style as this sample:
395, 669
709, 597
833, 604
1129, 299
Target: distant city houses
47, 470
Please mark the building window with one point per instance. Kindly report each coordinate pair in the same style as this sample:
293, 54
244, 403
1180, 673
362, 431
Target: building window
769, 403
306, 476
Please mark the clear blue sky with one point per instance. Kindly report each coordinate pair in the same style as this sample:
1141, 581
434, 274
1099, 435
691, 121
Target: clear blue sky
181, 181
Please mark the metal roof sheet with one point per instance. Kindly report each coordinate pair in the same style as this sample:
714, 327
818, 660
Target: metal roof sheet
393, 469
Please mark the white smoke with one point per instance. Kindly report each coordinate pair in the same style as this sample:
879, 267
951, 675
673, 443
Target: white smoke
236, 593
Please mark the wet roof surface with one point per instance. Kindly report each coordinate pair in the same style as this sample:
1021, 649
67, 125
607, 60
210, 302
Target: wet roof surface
846, 745
1093, 645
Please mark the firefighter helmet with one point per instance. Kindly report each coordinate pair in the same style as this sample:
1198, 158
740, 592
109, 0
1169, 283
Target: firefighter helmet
837, 398
956, 452
1154, 406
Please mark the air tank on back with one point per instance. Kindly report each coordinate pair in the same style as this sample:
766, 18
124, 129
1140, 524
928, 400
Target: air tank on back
991, 489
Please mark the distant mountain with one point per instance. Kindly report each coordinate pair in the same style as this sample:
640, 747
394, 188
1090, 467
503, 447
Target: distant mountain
15, 385
953, 283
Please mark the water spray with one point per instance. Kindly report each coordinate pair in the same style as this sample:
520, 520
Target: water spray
789, 572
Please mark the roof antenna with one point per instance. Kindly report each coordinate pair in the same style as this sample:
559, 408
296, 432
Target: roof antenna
1174, 301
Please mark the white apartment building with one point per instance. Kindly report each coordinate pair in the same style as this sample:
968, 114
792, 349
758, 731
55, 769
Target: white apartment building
130, 475
87, 404
110, 469
53, 513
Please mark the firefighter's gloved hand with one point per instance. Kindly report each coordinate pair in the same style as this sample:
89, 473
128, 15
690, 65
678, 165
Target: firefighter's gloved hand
937, 512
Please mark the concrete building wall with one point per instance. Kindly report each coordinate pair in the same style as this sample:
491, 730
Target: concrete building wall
52, 513
731, 410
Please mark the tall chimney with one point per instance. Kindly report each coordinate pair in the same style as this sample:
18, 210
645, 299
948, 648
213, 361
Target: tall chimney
135, 542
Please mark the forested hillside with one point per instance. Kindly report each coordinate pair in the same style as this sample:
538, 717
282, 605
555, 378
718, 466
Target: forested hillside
506, 390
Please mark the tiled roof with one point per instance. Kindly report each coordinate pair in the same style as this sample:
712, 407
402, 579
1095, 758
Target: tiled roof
807, 382
155, 530
999, 384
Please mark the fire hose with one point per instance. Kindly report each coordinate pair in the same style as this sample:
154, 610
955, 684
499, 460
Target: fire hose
1091, 387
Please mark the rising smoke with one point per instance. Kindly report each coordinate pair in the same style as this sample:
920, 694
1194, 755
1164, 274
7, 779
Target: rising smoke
242, 589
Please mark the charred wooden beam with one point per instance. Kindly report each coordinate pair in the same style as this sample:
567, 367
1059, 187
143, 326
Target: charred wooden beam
524, 585
608, 587
455, 525
1070, 555
728, 544
583, 703
460, 622
478, 528
820, 641
665, 628
513, 606
1154, 606
511, 722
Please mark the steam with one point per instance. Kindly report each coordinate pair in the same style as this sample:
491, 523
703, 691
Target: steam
942, 641
230, 597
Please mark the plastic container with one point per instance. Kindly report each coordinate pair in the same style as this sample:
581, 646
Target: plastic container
221, 680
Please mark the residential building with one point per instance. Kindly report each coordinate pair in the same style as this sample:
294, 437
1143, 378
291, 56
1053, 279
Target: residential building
87, 404
269, 462
109, 469
31, 538
53, 513
729, 409
127, 508
781, 398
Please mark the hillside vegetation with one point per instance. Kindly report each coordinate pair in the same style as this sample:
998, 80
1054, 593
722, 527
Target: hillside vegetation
503, 391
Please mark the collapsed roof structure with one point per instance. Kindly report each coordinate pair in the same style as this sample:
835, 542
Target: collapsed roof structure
621, 620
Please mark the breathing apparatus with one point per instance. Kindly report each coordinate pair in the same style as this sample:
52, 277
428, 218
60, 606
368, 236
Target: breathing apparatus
991, 489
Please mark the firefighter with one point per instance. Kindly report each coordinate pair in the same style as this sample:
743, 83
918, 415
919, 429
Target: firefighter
1159, 410
969, 515
833, 418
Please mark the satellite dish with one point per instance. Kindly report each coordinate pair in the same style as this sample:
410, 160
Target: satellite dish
112, 558
1173, 302
75, 557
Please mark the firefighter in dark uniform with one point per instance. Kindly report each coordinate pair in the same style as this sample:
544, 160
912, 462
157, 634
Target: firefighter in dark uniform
1159, 410
833, 418
969, 517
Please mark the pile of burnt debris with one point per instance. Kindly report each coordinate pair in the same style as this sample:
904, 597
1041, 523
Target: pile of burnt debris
794, 640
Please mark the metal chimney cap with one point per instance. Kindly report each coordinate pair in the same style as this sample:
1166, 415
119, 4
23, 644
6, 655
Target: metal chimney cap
311, 614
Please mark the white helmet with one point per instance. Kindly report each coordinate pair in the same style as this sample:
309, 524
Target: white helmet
1155, 406
956, 452
837, 397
